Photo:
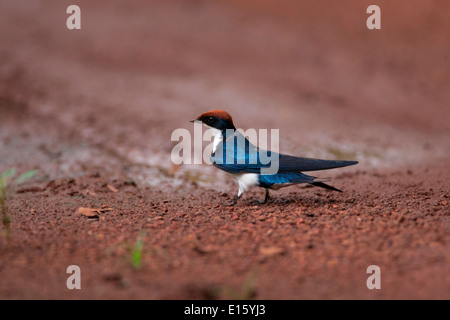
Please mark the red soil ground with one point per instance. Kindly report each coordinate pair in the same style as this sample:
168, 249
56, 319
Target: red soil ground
93, 110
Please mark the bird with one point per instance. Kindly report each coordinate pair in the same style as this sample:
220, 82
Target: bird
245, 162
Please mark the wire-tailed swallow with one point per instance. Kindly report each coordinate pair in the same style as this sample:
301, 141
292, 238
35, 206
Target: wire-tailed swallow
233, 153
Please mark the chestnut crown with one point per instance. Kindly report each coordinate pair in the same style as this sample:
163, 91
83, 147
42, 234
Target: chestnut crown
218, 119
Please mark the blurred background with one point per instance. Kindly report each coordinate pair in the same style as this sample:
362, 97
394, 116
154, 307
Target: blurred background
109, 95
93, 111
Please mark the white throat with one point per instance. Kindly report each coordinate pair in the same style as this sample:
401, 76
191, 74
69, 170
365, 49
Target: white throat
218, 137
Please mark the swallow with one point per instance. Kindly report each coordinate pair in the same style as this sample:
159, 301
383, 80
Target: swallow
234, 154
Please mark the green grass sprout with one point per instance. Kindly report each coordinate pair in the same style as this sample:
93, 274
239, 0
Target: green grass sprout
136, 254
26, 176
6, 179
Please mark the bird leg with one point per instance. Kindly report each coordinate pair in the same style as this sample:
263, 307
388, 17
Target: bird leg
258, 202
235, 200
265, 198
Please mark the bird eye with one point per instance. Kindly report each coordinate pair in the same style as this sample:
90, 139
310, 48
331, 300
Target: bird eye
211, 119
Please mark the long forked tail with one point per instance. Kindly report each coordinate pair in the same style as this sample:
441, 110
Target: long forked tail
326, 186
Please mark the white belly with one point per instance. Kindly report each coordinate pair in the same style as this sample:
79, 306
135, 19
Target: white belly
246, 180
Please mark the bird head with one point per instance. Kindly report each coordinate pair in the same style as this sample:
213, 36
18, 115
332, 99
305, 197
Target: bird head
217, 119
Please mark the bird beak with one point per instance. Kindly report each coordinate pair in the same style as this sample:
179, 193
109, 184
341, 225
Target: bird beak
194, 120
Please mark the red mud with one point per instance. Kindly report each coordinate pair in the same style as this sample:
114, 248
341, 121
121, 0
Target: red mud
93, 110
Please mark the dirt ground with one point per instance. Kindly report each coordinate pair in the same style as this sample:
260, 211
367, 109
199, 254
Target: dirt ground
93, 111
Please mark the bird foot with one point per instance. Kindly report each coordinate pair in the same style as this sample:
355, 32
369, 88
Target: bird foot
259, 202
230, 204
266, 198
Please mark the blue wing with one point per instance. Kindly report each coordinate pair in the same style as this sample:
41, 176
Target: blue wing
284, 178
238, 155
